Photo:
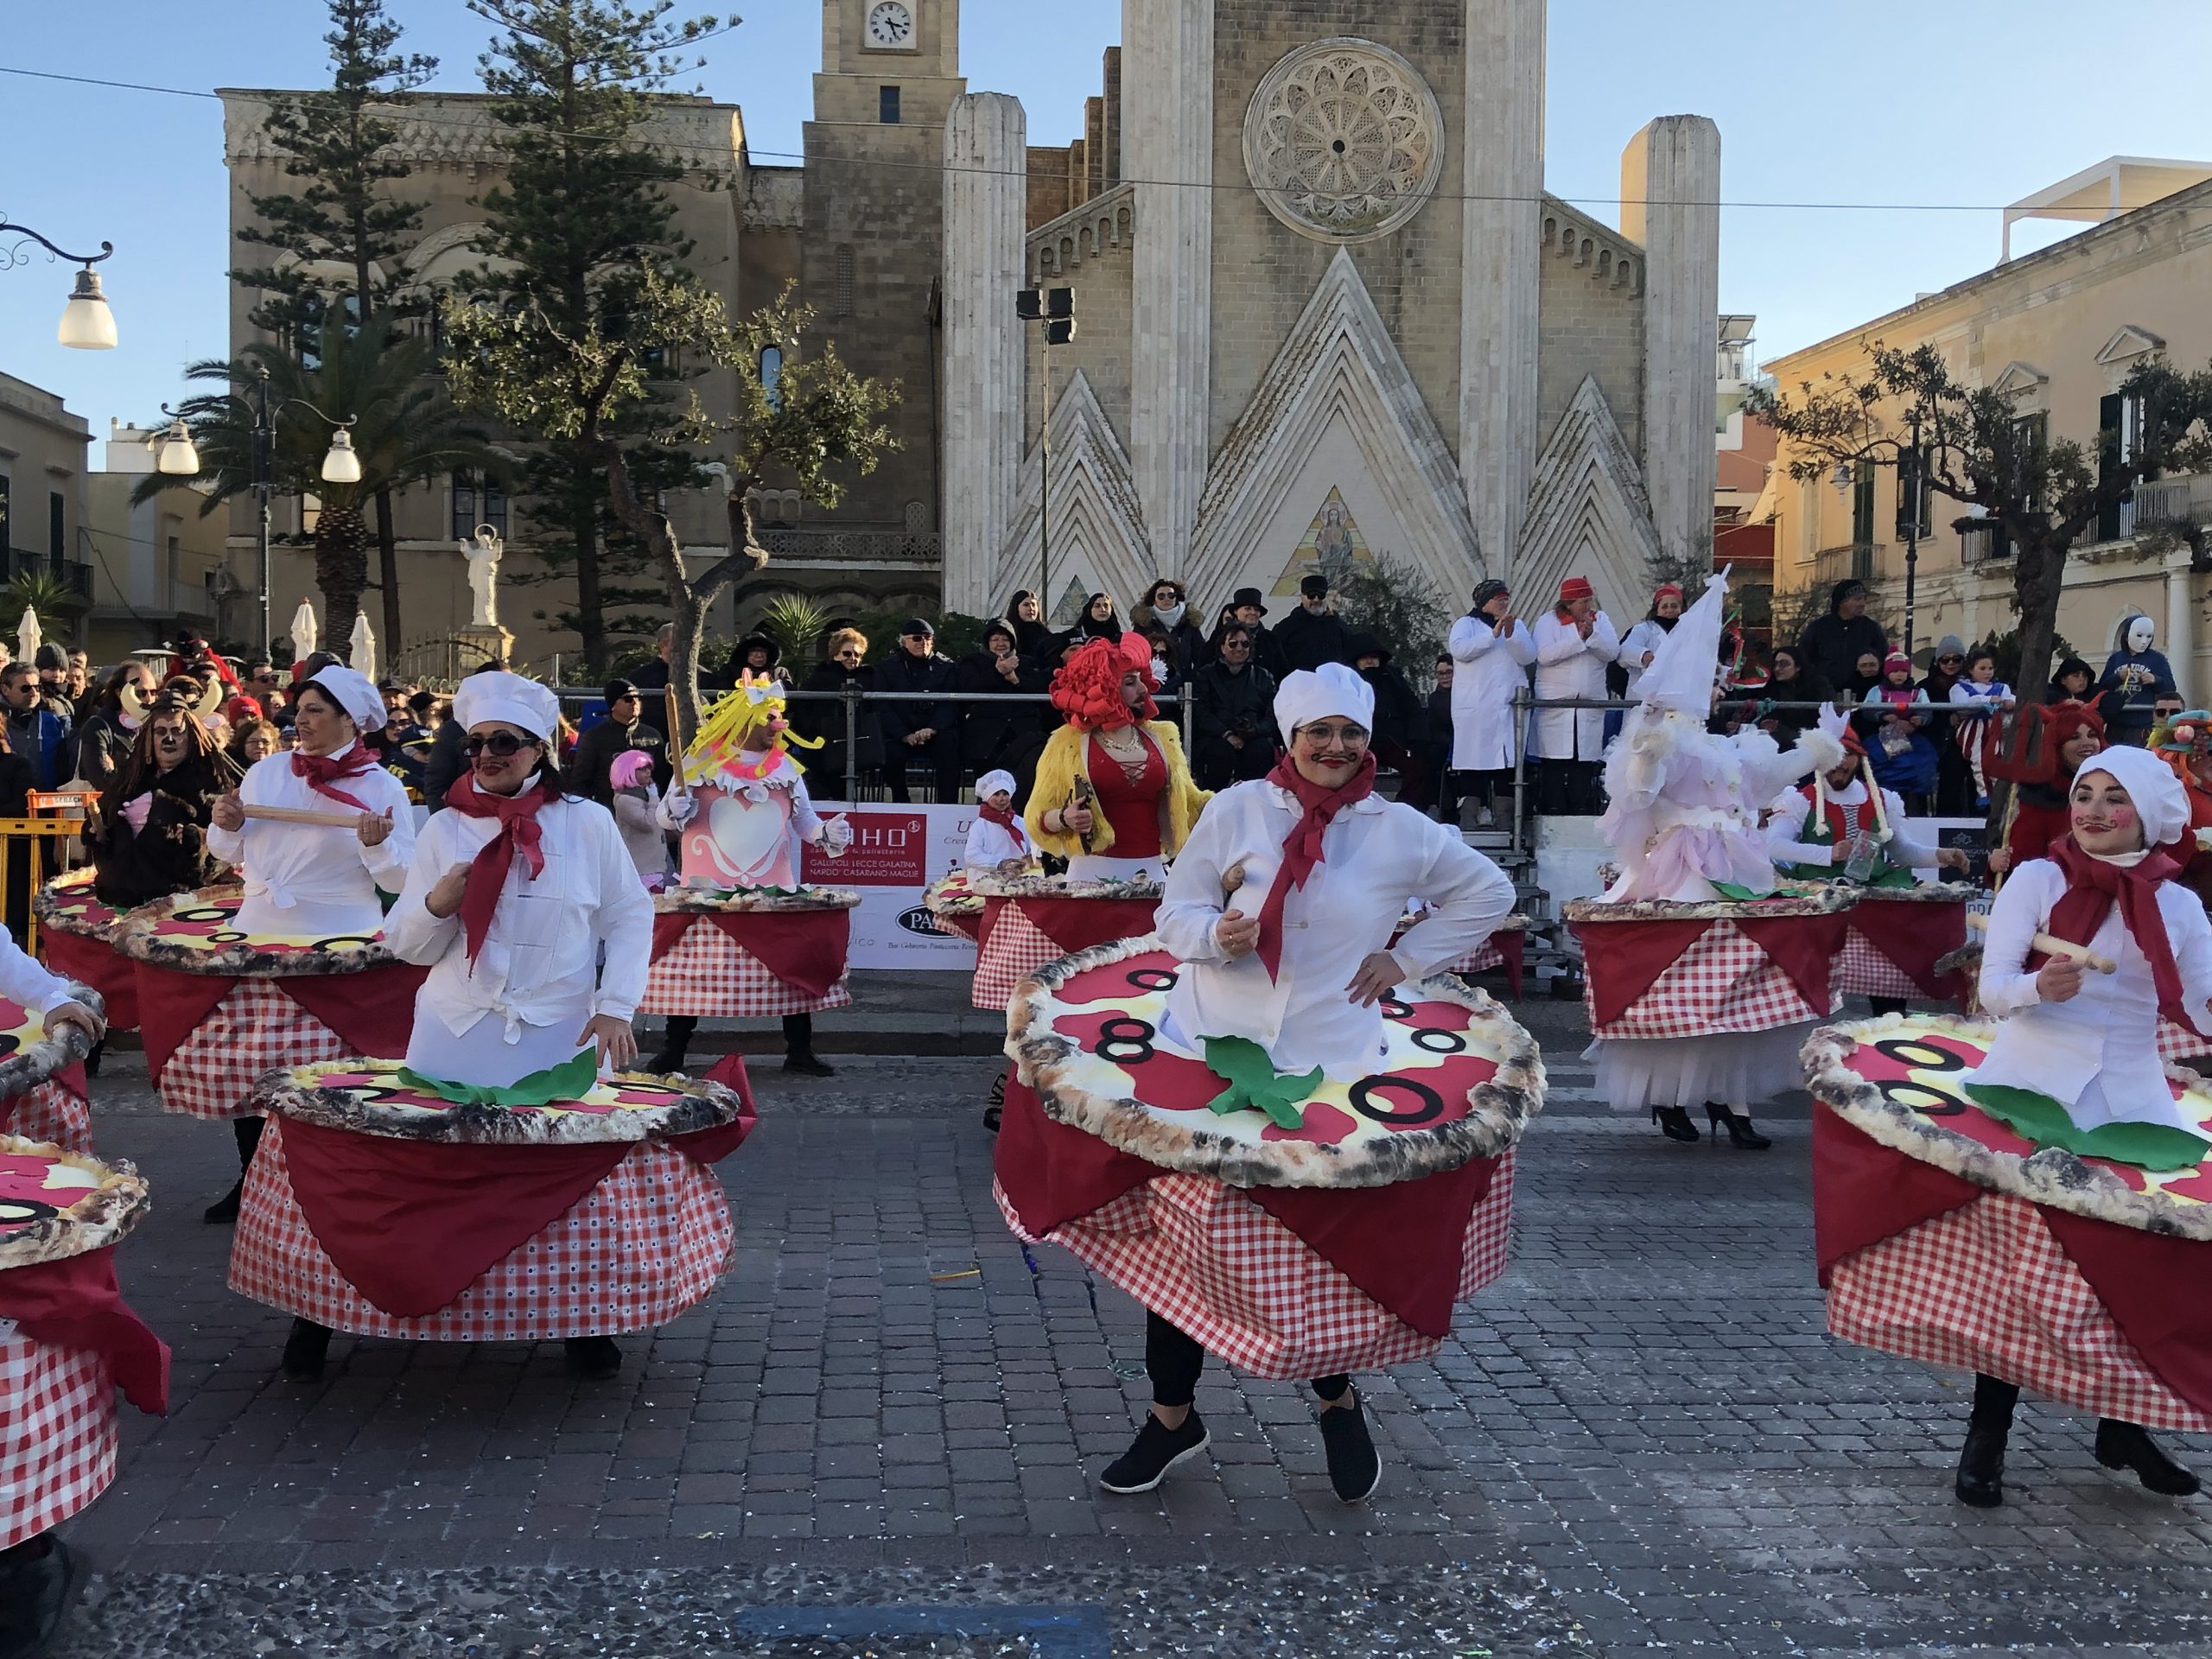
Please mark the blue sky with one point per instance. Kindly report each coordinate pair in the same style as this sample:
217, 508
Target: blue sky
1959, 104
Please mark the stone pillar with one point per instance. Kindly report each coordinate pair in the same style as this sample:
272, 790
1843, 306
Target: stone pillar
1670, 195
1166, 143
2179, 636
1500, 265
986, 188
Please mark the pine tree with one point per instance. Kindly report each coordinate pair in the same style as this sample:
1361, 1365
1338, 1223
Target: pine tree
583, 202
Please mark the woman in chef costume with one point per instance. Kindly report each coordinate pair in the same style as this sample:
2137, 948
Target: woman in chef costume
2086, 1041
317, 880
1281, 909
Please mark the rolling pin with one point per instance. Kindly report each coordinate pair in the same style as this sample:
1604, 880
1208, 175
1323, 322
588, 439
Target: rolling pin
2051, 947
306, 815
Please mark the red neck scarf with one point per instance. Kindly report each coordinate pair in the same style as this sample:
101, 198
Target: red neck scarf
322, 770
1301, 848
1001, 815
2093, 887
519, 832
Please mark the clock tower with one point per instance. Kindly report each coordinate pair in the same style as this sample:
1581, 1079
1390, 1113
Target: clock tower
872, 239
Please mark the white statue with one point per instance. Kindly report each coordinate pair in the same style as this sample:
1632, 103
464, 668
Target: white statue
361, 654
482, 552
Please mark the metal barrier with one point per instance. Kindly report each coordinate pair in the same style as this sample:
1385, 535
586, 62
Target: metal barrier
26, 840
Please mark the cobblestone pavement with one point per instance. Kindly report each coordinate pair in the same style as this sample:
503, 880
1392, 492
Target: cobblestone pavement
880, 1435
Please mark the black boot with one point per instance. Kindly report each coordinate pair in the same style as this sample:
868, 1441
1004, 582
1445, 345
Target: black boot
224, 1210
1882, 1005
1981, 1461
1741, 1135
594, 1358
798, 1047
2128, 1446
39, 1579
675, 1042
996, 1109
304, 1350
1674, 1123
92, 1058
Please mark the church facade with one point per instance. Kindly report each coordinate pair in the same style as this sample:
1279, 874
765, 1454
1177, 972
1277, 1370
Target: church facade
1326, 313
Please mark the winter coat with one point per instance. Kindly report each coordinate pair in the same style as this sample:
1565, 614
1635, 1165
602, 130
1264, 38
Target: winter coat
170, 855
1834, 646
591, 767
901, 671
1222, 702
103, 747
1398, 715
1307, 638
811, 717
1190, 644
988, 731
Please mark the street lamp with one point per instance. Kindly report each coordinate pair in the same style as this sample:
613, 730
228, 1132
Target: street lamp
1056, 313
177, 456
87, 323
1909, 509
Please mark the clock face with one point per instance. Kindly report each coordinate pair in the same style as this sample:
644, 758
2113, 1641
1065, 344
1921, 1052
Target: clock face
890, 23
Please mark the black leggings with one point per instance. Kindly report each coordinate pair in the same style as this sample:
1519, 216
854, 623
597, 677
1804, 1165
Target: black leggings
1173, 1361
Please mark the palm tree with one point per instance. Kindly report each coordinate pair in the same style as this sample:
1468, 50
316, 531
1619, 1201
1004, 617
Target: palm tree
405, 430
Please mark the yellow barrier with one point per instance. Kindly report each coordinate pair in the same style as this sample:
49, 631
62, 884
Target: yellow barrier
29, 838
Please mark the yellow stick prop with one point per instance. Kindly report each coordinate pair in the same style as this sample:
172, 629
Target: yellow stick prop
305, 815
2051, 947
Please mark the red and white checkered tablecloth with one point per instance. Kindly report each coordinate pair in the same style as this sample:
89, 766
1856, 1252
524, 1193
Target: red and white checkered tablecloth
57, 1433
1861, 970
646, 1243
1224, 1271
1722, 982
252, 1031
53, 1114
708, 973
1986, 1287
2178, 1042
1009, 953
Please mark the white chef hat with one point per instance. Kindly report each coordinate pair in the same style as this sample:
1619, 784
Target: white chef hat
352, 691
2151, 784
1307, 696
507, 697
992, 782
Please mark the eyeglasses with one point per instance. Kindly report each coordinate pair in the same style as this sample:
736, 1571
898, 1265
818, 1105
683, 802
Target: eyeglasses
501, 744
1950, 659
1348, 735
848, 655
1237, 644
628, 696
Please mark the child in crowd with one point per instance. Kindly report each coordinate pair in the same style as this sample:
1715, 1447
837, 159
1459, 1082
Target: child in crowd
996, 837
636, 803
1981, 694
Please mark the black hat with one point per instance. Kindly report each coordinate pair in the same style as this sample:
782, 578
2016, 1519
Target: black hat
1366, 645
52, 656
745, 646
1315, 585
1250, 596
916, 628
616, 689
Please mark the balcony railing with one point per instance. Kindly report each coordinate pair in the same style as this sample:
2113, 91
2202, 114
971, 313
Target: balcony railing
828, 546
1983, 542
2186, 499
1854, 562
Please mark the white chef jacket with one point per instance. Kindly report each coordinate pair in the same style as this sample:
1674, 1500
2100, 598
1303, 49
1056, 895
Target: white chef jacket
1488, 671
2097, 1054
1646, 635
1378, 855
1567, 665
1785, 826
536, 981
307, 878
24, 979
990, 845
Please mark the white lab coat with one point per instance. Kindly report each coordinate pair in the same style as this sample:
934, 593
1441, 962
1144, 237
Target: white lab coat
1907, 849
1567, 665
1378, 855
307, 878
2097, 1054
1488, 672
1646, 635
520, 1007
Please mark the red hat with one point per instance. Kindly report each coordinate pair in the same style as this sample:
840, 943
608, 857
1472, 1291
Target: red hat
1661, 591
1575, 587
242, 708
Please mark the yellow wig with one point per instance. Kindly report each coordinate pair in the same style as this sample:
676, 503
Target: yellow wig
719, 746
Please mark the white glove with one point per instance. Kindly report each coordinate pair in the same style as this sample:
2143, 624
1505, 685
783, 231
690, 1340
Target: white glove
837, 836
1835, 725
679, 807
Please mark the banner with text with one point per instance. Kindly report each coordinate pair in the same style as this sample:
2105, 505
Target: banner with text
897, 851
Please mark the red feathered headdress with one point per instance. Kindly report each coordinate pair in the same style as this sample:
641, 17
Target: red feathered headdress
1088, 691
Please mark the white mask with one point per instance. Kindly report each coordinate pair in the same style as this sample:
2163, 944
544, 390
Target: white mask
2139, 633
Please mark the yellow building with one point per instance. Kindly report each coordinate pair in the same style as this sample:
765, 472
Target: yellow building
2057, 331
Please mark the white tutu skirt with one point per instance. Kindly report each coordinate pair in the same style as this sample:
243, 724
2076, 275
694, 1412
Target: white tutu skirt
1733, 1068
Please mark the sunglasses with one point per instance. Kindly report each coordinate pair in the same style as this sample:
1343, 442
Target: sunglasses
502, 744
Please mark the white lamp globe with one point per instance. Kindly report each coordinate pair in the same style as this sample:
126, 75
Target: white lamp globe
87, 323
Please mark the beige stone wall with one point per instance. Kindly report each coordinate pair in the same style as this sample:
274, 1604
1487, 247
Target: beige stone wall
2052, 312
1590, 304
1100, 274
1264, 272
44, 456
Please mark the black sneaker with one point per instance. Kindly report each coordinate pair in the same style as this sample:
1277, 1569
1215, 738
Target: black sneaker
39, 1579
1157, 1449
594, 1358
304, 1350
807, 1066
665, 1063
224, 1210
1354, 1469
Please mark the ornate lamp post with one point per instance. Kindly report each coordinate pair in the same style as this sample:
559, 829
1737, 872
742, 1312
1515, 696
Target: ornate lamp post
175, 456
87, 323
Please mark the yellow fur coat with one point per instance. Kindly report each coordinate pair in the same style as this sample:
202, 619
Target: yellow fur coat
1065, 760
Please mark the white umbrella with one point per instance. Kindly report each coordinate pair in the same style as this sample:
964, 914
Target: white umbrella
362, 653
303, 632
27, 637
